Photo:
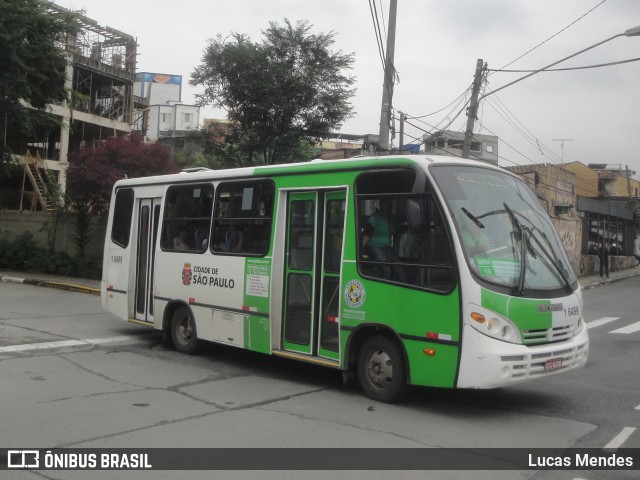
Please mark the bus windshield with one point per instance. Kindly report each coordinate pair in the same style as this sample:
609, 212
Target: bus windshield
507, 237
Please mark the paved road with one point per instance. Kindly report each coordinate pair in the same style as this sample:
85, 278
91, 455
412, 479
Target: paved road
80, 377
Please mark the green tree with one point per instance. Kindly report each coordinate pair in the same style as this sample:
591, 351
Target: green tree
32, 67
279, 94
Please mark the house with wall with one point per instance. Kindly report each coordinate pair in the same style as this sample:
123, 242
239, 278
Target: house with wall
615, 181
165, 114
483, 147
556, 190
586, 179
607, 199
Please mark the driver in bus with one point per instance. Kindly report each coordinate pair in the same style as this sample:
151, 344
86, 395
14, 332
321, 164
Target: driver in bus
377, 242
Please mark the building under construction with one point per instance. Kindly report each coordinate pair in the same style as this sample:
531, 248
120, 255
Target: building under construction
100, 73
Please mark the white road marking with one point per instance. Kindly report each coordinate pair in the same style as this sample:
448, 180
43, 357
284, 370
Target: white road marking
620, 438
601, 321
634, 327
66, 343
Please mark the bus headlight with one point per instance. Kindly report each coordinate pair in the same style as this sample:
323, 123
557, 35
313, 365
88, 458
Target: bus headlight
495, 326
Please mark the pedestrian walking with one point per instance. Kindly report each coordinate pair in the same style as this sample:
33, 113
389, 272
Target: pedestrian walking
604, 258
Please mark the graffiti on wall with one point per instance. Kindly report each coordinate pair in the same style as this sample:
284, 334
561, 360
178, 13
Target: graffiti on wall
567, 232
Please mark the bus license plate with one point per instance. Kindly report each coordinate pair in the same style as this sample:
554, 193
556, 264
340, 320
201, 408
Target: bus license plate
553, 364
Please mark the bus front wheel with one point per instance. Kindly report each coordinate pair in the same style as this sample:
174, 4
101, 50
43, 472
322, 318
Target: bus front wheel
382, 370
183, 331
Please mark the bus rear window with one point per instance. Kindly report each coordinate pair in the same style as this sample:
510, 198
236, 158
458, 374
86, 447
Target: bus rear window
122, 214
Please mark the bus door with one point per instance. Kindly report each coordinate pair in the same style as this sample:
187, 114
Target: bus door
148, 217
315, 236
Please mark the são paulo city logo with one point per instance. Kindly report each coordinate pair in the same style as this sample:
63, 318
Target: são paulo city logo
354, 294
186, 274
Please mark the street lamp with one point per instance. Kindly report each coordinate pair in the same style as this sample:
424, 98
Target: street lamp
473, 107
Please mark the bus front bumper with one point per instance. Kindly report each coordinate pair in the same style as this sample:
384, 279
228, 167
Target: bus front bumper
489, 363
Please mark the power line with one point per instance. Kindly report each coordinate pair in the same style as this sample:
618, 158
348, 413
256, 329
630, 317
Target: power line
521, 128
463, 94
384, 25
550, 187
500, 157
585, 67
376, 29
551, 37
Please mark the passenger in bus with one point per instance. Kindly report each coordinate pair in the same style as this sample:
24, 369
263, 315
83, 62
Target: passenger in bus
202, 239
235, 241
181, 241
377, 242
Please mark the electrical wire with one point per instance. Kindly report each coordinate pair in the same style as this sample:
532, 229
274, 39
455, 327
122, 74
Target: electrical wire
466, 92
500, 157
447, 118
585, 67
376, 29
519, 127
435, 148
551, 37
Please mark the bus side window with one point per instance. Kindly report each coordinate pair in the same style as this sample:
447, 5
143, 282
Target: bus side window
402, 236
242, 219
123, 212
187, 218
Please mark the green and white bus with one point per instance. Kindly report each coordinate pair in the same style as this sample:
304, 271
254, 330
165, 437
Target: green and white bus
400, 270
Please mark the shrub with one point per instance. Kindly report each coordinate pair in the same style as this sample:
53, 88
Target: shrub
22, 253
14, 254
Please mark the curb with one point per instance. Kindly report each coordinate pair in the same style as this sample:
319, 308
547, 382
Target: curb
606, 281
59, 285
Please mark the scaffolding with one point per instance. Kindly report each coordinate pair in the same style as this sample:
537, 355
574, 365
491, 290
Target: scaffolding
100, 76
104, 61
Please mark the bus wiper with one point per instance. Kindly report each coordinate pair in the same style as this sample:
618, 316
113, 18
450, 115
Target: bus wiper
552, 259
523, 249
473, 218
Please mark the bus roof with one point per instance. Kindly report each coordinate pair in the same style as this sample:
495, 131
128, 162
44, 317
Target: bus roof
312, 166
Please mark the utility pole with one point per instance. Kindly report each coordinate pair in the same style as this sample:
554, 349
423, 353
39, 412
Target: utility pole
389, 74
472, 112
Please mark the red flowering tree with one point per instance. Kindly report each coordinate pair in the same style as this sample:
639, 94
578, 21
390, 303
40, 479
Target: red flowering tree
92, 171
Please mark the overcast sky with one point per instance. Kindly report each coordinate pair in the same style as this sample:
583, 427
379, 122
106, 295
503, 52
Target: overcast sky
595, 111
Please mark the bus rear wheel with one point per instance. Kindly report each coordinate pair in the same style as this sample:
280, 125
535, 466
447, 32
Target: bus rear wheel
382, 370
183, 331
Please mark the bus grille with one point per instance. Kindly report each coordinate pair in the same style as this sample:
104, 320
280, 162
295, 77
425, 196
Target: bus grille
533, 364
550, 335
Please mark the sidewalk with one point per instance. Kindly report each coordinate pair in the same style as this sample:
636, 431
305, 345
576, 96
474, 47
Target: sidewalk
86, 285
595, 281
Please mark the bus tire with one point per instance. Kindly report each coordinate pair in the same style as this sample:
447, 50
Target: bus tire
183, 331
382, 369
